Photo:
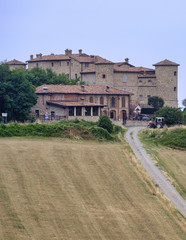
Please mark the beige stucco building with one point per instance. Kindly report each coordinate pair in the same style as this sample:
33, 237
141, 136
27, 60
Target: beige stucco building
143, 82
15, 64
81, 101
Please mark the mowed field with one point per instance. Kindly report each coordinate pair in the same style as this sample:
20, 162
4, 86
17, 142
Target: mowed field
172, 162
65, 190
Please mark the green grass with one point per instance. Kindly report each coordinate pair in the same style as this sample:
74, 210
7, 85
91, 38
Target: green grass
66, 129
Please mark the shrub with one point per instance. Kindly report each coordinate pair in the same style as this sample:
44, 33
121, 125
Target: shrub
105, 122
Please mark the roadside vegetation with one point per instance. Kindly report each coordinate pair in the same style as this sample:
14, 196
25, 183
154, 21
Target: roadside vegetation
103, 130
167, 148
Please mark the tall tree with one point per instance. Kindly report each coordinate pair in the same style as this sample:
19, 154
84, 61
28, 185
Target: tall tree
17, 94
156, 102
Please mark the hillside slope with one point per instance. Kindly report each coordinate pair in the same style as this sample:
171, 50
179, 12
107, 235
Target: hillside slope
56, 189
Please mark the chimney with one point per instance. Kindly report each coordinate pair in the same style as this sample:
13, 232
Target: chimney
66, 51
31, 57
37, 55
82, 100
40, 55
80, 52
82, 88
45, 89
70, 52
107, 88
126, 60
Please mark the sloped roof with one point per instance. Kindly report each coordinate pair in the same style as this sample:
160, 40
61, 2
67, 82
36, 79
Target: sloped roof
166, 62
51, 57
72, 103
126, 68
88, 70
82, 58
80, 89
15, 62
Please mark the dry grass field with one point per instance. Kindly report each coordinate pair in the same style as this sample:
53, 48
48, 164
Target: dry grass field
173, 163
64, 190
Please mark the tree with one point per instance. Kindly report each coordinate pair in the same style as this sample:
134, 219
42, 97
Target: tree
156, 102
184, 102
17, 94
38, 77
105, 122
172, 115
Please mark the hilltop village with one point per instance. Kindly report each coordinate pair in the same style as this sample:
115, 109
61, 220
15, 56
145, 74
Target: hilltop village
110, 88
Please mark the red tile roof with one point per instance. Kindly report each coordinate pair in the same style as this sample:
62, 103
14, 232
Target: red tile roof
77, 104
166, 63
88, 70
51, 57
83, 58
15, 62
80, 89
126, 68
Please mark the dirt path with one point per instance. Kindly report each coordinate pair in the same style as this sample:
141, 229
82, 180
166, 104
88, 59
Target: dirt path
168, 189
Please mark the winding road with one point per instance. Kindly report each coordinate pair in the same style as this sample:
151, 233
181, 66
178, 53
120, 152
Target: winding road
158, 177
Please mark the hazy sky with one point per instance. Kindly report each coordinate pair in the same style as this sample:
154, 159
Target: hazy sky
145, 31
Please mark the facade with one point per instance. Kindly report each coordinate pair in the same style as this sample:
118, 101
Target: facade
81, 101
95, 70
15, 64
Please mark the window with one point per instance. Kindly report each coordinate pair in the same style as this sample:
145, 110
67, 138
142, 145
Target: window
123, 102
78, 111
113, 102
101, 100
52, 64
140, 96
37, 113
95, 111
93, 79
149, 80
76, 76
71, 111
68, 76
124, 89
37, 64
175, 89
87, 111
124, 78
140, 81
86, 65
103, 76
52, 115
148, 96
68, 63
91, 100
175, 73
85, 79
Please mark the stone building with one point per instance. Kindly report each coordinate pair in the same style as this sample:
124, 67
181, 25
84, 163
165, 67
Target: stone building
95, 70
81, 101
15, 64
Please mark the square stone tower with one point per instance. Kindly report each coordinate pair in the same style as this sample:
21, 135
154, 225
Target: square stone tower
167, 82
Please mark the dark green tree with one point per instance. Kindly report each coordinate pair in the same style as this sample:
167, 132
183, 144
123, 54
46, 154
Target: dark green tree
156, 102
38, 77
172, 115
105, 122
17, 94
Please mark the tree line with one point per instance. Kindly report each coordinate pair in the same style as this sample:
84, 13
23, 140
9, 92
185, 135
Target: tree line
17, 89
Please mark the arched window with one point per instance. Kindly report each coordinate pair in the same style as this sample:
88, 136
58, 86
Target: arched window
101, 100
123, 102
124, 78
113, 102
91, 99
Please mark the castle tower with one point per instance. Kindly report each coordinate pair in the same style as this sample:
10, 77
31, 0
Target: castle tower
167, 82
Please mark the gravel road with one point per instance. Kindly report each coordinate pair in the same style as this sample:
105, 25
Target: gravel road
158, 177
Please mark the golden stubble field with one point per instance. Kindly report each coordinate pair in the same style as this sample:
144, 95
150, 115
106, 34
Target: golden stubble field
64, 190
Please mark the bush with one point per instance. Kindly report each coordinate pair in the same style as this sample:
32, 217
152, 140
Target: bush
172, 115
105, 122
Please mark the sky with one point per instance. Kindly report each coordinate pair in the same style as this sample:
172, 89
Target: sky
144, 31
